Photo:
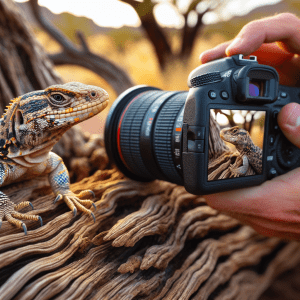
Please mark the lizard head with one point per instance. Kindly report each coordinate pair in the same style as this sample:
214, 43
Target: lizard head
38, 117
235, 135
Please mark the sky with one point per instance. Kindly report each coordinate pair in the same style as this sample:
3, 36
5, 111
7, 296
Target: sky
113, 13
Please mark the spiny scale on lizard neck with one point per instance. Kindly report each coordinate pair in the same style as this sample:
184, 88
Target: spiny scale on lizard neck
38, 119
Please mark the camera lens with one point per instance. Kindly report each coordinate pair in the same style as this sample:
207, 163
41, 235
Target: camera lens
143, 134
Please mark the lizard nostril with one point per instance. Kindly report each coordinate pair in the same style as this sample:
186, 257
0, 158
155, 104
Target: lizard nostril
93, 94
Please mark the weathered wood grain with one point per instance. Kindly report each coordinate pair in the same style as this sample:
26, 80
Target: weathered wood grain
150, 241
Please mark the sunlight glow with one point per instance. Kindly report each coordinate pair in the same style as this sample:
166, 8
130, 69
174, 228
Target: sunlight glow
114, 13
238, 119
104, 13
222, 120
167, 15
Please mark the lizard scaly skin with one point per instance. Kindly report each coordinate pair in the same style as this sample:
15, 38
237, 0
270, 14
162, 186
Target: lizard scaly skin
30, 127
244, 144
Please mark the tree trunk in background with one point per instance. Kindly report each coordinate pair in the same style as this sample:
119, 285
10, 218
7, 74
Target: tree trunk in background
150, 240
24, 65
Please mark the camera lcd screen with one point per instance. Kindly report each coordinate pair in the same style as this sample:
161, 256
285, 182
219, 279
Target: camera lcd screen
235, 143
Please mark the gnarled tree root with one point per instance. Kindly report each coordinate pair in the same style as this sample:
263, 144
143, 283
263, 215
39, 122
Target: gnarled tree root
150, 241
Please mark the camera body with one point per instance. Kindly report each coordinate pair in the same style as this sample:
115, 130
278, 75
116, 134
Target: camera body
231, 107
235, 84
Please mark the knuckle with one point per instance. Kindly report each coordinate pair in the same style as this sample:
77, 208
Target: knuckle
287, 16
253, 26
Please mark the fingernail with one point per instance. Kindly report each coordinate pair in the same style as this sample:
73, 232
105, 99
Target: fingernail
201, 56
235, 43
294, 117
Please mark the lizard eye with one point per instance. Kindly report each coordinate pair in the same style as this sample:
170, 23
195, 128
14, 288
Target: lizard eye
93, 94
58, 97
59, 100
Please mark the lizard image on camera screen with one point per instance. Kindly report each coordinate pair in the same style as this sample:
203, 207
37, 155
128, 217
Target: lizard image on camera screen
242, 141
29, 128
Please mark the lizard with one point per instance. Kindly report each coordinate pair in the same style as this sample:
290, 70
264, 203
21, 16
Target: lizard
245, 146
29, 128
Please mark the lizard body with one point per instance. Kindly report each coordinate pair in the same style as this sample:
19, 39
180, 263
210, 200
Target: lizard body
244, 144
29, 128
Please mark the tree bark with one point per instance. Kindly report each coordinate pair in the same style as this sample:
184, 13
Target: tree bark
150, 240
24, 66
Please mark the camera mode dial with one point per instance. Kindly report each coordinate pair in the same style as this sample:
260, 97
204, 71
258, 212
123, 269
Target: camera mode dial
205, 79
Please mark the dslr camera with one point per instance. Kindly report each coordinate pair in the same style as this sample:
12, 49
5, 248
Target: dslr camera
220, 135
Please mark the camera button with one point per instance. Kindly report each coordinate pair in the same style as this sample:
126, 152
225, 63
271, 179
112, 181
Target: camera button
224, 95
272, 173
275, 114
196, 146
196, 133
212, 95
271, 140
283, 94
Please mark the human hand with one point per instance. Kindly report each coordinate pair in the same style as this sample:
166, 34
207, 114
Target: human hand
273, 208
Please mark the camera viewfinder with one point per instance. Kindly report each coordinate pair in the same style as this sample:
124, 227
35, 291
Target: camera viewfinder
257, 88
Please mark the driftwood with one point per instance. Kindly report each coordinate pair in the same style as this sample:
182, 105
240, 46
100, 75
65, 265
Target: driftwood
149, 241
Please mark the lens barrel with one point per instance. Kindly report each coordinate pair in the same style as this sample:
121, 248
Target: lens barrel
143, 134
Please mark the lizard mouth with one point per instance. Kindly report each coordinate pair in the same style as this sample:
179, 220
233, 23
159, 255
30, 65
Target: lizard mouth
80, 112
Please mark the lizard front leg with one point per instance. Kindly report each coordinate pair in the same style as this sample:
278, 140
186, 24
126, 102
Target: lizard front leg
60, 184
241, 171
9, 210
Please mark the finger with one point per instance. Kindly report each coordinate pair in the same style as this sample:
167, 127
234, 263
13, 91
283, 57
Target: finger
283, 28
285, 230
267, 54
275, 199
272, 55
215, 53
289, 122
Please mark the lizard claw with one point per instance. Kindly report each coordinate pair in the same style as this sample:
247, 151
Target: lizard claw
24, 228
58, 198
75, 204
31, 205
93, 194
93, 217
41, 221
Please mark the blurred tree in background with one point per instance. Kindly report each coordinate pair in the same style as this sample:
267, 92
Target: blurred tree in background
192, 15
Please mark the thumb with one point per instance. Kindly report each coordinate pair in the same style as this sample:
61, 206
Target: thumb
289, 122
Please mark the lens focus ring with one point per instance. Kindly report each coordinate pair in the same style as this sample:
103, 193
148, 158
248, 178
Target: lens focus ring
130, 134
163, 137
